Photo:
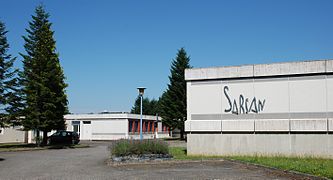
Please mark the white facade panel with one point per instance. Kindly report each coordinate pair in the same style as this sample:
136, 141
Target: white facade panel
307, 95
329, 81
275, 93
188, 100
207, 125
115, 126
187, 126
313, 125
205, 98
272, 125
329, 66
238, 125
86, 131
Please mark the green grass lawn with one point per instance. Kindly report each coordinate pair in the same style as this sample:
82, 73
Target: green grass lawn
178, 153
308, 165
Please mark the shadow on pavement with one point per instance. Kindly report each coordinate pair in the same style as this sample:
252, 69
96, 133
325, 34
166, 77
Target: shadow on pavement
18, 145
60, 147
1, 159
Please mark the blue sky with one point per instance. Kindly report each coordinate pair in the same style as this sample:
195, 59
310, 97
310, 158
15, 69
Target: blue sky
108, 48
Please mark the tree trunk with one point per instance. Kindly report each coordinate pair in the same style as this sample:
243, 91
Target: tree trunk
44, 142
37, 138
182, 133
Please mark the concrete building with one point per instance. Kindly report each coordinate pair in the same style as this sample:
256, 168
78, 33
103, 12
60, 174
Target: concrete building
266, 109
111, 126
104, 126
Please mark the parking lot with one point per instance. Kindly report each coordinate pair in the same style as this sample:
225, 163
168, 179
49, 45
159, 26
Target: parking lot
90, 163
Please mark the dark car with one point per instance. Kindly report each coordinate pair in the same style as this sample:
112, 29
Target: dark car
64, 137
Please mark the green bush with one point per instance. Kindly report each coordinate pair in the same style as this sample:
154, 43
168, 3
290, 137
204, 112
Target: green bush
126, 147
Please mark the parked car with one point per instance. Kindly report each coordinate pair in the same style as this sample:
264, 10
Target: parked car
63, 137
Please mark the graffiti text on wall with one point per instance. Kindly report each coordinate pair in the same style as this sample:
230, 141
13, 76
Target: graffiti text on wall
243, 105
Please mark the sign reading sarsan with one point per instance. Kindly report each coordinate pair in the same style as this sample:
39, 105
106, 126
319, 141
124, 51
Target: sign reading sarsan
244, 105
269, 109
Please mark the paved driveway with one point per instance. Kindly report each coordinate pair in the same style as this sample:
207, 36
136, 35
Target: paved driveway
89, 163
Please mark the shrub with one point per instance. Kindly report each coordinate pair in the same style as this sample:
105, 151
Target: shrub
126, 147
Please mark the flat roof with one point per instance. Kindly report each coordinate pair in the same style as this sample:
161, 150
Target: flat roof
260, 70
108, 116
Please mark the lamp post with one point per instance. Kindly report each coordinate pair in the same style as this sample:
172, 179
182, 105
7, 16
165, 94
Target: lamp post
141, 92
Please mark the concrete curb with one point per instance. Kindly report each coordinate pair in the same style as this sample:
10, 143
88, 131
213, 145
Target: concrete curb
157, 162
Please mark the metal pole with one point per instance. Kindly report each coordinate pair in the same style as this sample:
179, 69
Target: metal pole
141, 118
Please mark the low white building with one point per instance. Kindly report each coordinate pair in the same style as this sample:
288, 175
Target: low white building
104, 126
111, 126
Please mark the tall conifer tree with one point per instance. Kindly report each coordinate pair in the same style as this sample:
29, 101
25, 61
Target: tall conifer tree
10, 99
44, 86
149, 107
173, 100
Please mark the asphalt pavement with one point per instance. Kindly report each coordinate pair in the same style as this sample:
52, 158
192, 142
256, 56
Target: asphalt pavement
90, 163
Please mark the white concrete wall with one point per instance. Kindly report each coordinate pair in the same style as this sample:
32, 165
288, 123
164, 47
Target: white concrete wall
329, 91
212, 99
69, 126
320, 145
109, 129
11, 134
295, 97
289, 104
159, 127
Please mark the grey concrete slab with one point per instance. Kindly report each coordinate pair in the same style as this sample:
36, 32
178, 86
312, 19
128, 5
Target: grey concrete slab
259, 70
329, 66
261, 144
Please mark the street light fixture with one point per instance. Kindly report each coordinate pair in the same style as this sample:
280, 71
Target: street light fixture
141, 92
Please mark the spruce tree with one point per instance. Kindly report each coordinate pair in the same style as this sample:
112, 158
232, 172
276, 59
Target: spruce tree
44, 86
10, 99
149, 107
173, 100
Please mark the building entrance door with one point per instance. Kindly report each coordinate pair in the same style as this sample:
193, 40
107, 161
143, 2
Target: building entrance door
86, 130
76, 126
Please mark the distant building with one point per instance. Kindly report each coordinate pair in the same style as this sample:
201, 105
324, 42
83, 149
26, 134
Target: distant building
273, 109
103, 126
111, 126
